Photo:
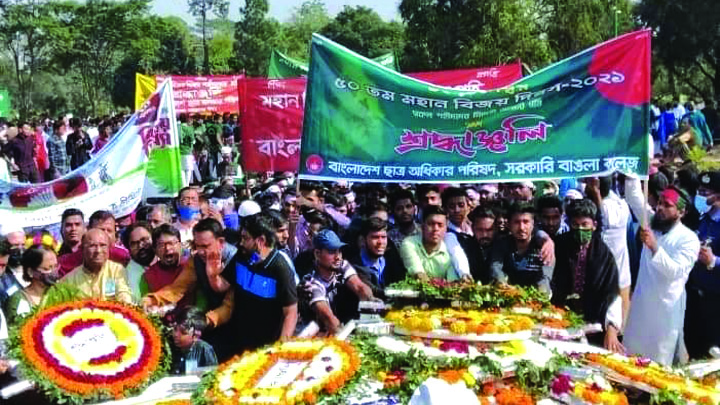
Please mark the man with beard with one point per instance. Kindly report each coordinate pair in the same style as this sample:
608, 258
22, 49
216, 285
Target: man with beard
72, 228
404, 210
517, 257
331, 273
655, 324
138, 240
522, 191
483, 226
169, 263
377, 262
265, 289
282, 236
203, 275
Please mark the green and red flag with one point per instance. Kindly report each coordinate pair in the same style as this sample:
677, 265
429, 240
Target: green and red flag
586, 115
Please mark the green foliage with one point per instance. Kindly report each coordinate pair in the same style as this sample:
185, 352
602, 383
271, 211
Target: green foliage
362, 30
310, 17
255, 37
682, 41
536, 380
448, 35
201, 9
667, 397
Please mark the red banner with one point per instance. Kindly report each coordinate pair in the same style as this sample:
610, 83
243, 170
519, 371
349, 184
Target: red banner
272, 111
204, 94
486, 78
272, 119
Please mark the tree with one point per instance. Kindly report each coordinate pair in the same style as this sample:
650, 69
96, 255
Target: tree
166, 47
201, 9
31, 32
687, 40
574, 25
307, 19
445, 34
364, 31
101, 31
255, 37
221, 46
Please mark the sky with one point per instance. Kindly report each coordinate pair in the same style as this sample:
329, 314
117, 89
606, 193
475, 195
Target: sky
282, 9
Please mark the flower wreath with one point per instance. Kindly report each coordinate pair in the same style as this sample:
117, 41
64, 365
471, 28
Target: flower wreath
285, 373
90, 350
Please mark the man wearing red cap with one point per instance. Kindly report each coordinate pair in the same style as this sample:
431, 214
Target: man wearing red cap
655, 324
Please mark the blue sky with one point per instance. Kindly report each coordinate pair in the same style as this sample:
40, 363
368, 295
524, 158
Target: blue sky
282, 9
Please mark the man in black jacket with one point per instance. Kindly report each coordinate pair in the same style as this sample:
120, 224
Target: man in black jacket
586, 276
78, 145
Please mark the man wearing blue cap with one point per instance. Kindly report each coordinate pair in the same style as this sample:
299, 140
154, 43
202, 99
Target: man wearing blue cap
330, 274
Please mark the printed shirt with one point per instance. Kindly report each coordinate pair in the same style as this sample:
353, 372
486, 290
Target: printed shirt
325, 290
110, 283
57, 154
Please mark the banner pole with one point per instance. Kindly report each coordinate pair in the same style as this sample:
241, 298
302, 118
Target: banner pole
645, 203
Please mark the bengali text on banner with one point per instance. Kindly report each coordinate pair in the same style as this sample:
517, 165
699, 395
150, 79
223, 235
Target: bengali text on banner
142, 159
586, 115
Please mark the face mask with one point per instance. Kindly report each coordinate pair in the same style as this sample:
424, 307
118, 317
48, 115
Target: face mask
583, 236
701, 204
188, 213
49, 279
15, 258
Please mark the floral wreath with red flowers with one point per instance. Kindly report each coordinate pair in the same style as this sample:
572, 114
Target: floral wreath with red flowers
90, 350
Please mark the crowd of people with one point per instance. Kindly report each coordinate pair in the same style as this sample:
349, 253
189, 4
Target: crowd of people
45, 150
233, 269
677, 128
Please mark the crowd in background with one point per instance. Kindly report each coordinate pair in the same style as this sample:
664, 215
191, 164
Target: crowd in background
234, 267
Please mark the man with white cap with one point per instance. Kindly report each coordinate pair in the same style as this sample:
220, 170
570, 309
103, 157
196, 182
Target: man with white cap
522, 191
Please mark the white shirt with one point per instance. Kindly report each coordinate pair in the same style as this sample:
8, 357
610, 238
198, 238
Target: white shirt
657, 309
657, 313
679, 112
615, 216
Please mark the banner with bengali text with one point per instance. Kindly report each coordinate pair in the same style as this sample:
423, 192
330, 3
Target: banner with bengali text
284, 67
585, 115
484, 78
271, 119
195, 94
141, 160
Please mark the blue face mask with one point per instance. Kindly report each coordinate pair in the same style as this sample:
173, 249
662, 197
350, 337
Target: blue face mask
701, 204
188, 213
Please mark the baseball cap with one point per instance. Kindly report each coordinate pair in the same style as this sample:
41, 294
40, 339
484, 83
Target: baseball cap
328, 240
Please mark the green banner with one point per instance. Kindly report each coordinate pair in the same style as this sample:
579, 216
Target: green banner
5, 103
586, 115
285, 67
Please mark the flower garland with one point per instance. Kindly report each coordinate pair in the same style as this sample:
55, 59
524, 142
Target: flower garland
645, 371
64, 349
593, 390
321, 367
459, 322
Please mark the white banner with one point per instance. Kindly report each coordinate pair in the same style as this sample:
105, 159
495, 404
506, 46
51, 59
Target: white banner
114, 179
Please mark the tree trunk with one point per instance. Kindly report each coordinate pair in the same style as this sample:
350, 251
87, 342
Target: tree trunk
206, 54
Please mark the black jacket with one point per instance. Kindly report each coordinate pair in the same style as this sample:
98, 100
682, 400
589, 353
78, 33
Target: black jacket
601, 277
